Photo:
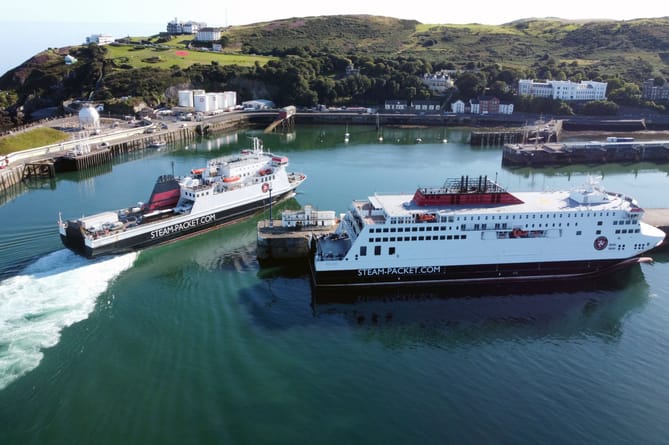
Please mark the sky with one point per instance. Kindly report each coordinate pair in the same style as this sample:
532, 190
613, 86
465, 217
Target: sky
28, 27
222, 13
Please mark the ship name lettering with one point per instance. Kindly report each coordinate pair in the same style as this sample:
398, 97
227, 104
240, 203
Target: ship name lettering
422, 270
186, 225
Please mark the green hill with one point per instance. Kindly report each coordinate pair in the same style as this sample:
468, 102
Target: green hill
303, 60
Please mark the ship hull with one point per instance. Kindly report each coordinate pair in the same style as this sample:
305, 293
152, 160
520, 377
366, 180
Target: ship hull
479, 274
144, 236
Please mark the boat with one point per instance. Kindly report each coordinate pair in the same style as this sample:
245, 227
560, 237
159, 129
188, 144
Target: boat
473, 231
157, 143
228, 189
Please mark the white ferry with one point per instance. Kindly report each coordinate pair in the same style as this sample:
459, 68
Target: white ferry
473, 231
228, 189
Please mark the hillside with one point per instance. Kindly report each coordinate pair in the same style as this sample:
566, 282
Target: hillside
257, 59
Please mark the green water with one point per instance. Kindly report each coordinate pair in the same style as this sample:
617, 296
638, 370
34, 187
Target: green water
193, 342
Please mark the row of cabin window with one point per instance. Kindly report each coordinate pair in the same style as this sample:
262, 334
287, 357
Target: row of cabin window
391, 249
195, 195
541, 216
417, 238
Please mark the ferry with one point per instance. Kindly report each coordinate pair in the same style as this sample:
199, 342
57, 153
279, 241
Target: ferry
227, 189
473, 231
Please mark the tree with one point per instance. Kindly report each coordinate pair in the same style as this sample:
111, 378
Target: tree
471, 84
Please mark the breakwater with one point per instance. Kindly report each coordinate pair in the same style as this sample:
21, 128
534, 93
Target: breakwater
540, 155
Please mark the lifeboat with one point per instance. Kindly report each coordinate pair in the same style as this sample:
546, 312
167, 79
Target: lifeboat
197, 171
231, 179
264, 171
519, 233
426, 217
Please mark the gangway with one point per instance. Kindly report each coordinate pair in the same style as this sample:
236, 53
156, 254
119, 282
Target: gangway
273, 125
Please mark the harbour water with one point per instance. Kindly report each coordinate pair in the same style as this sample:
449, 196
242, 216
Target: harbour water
194, 342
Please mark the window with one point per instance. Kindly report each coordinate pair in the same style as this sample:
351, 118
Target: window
363, 250
391, 251
377, 250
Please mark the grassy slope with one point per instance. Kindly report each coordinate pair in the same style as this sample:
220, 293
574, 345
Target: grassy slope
36, 137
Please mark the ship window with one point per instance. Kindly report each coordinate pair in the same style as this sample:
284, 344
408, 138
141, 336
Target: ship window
429, 229
391, 251
385, 230
578, 232
392, 238
400, 229
463, 236
363, 250
414, 229
442, 237
377, 250
385, 239
392, 229
598, 232
599, 223
421, 229
413, 238
421, 238
617, 230
371, 240
449, 237
615, 223
407, 238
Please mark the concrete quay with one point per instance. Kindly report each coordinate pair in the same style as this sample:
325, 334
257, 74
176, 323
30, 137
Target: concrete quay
558, 154
279, 244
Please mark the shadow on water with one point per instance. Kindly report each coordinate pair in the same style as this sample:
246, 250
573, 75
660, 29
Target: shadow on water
595, 307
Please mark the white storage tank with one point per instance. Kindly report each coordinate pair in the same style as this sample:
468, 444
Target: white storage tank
220, 101
185, 98
200, 103
231, 99
212, 102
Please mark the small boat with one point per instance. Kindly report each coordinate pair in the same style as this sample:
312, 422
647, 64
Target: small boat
157, 144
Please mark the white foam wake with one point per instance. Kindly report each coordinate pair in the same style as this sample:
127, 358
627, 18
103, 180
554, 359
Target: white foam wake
54, 292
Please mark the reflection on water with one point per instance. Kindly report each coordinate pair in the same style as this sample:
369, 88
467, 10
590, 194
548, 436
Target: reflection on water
404, 316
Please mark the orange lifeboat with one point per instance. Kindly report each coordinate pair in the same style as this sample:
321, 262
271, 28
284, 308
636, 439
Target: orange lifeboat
231, 179
426, 217
197, 171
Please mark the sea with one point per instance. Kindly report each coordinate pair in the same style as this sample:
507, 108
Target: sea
195, 342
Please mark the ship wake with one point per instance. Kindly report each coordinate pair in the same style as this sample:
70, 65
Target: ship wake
47, 296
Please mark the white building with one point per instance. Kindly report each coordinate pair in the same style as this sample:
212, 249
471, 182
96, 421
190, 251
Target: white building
208, 35
100, 39
458, 107
438, 82
505, 108
189, 27
563, 89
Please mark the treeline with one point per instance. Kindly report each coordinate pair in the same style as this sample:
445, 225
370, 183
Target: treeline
303, 78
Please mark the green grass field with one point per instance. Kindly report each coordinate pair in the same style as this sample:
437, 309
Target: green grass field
168, 55
36, 137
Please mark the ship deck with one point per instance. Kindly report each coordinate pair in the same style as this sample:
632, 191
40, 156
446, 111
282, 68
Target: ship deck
403, 206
